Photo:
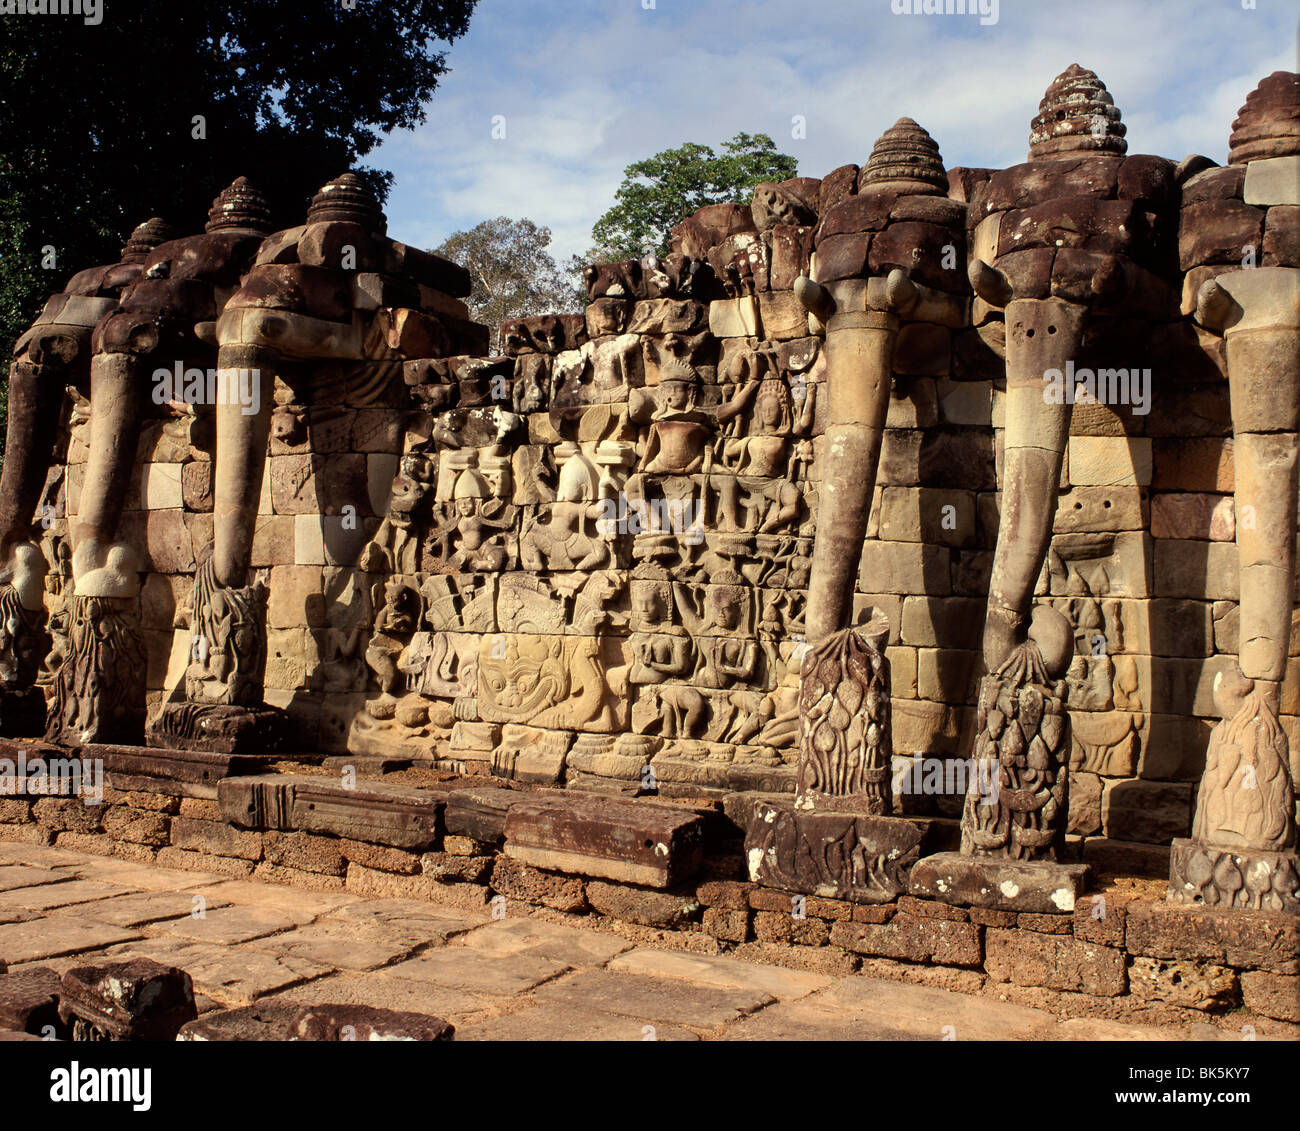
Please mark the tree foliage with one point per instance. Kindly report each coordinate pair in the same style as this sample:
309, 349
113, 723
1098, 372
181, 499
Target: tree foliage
660, 191
98, 122
514, 275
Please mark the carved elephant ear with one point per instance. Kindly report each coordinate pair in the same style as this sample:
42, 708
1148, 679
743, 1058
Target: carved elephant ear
989, 283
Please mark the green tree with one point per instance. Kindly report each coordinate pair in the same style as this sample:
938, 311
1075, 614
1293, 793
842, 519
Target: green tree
662, 190
514, 275
161, 105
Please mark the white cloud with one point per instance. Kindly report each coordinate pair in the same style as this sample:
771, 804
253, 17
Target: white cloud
589, 86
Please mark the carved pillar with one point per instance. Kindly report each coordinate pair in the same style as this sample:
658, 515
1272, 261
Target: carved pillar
1242, 852
1017, 803
839, 839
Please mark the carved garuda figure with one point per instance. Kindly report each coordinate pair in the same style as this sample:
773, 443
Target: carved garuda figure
1019, 794
846, 744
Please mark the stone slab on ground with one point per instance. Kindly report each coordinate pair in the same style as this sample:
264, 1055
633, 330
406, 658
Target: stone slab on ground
460, 968
566, 1023
52, 937
720, 972
230, 975
409, 921
1034, 886
140, 908
64, 893
652, 999
229, 925
345, 946
571, 946
381, 988
14, 876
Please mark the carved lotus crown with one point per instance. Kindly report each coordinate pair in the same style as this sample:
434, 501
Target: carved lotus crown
1269, 124
905, 158
240, 206
1077, 115
145, 238
349, 199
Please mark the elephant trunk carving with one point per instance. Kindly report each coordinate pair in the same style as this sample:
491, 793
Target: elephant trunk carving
1042, 334
859, 352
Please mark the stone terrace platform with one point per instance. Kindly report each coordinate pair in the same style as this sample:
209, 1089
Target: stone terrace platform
523, 977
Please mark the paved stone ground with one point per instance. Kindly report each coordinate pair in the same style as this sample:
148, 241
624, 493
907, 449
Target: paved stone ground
511, 979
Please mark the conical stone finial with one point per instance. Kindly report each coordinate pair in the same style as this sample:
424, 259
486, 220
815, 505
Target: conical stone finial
348, 198
239, 206
1077, 115
145, 238
1269, 124
904, 159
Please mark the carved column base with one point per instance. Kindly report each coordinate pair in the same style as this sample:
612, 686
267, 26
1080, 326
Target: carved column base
1034, 886
22, 712
859, 857
221, 728
99, 689
1257, 880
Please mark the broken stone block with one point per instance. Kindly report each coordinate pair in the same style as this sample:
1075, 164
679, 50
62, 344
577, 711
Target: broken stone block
1002, 884
855, 857
367, 1023
636, 905
139, 1000
650, 844
264, 1021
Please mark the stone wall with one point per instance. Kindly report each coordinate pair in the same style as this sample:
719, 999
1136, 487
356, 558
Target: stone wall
586, 560
1121, 953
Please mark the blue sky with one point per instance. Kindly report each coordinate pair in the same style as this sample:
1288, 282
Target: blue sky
588, 86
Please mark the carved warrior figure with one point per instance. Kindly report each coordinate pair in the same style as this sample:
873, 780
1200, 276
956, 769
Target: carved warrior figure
53, 355
1242, 852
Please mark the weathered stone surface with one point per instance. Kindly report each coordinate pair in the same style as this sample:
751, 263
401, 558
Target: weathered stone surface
515, 879
137, 1000
266, 1021
634, 905
28, 999
855, 857
1008, 885
654, 845
1055, 962
1252, 940
1273, 995
397, 816
1224, 877
366, 1023
913, 938
1190, 985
